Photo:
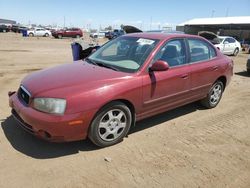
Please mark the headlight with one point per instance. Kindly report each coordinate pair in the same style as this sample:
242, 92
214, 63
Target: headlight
50, 105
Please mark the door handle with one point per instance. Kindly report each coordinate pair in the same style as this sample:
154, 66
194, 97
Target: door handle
184, 76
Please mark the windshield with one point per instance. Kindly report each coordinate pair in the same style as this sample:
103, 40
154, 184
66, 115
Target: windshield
126, 54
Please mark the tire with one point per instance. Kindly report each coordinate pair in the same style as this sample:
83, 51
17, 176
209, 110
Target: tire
31, 35
214, 96
110, 125
46, 35
78, 36
59, 36
248, 71
236, 51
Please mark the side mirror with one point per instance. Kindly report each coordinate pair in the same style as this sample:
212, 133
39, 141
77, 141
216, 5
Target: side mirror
226, 42
159, 65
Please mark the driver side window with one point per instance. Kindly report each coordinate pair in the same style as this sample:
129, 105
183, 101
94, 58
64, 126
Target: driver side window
173, 52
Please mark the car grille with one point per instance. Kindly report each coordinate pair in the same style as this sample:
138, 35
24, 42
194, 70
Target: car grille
24, 95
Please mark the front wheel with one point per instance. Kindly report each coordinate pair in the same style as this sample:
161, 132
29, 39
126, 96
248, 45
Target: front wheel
46, 35
110, 125
59, 36
31, 35
214, 96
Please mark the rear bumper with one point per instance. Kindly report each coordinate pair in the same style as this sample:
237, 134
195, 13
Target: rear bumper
50, 127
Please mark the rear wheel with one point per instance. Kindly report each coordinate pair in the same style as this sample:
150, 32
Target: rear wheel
110, 125
214, 96
46, 35
59, 36
31, 35
78, 36
236, 51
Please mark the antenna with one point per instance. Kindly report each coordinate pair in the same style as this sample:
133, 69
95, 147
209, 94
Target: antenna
212, 15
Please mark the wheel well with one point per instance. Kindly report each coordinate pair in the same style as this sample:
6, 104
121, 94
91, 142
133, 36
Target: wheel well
130, 106
223, 79
127, 103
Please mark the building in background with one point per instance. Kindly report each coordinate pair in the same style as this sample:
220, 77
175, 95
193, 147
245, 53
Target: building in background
238, 27
7, 22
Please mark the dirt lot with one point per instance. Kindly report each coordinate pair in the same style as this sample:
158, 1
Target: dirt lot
186, 147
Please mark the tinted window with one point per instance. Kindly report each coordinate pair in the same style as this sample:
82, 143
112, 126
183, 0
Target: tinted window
231, 40
200, 50
226, 40
173, 53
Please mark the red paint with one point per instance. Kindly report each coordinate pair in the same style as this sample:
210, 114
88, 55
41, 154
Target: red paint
87, 88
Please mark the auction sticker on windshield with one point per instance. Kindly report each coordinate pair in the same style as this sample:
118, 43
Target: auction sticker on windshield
145, 41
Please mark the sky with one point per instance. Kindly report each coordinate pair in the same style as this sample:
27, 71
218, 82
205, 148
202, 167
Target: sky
145, 14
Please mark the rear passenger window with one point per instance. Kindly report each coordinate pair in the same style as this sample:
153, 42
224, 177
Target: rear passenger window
200, 50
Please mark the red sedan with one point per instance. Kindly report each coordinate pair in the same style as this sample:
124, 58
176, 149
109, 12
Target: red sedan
71, 32
128, 79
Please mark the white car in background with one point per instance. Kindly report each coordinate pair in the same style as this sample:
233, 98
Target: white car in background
228, 45
100, 34
39, 32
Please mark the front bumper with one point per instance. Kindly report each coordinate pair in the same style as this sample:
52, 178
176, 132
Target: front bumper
50, 127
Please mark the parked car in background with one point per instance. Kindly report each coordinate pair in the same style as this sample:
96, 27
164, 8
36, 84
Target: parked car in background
38, 32
130, 78
115, 33
4, 28
18, 28
68, 32
228, 45
248, 65
100, 34
245, 45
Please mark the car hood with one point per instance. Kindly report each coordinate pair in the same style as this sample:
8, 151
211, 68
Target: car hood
212, 37
69, 76
131, 29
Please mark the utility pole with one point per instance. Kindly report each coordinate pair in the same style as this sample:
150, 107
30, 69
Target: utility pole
227, 11
63, 21
150, 27
212, 15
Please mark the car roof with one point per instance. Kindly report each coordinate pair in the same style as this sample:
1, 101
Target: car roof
161, 36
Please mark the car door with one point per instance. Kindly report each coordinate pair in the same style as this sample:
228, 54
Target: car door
204, 66
38, 32
71, 33
233, 45
167, 89
227, 46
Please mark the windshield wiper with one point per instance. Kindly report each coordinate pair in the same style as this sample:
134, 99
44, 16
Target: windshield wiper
100, 64
106, 66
